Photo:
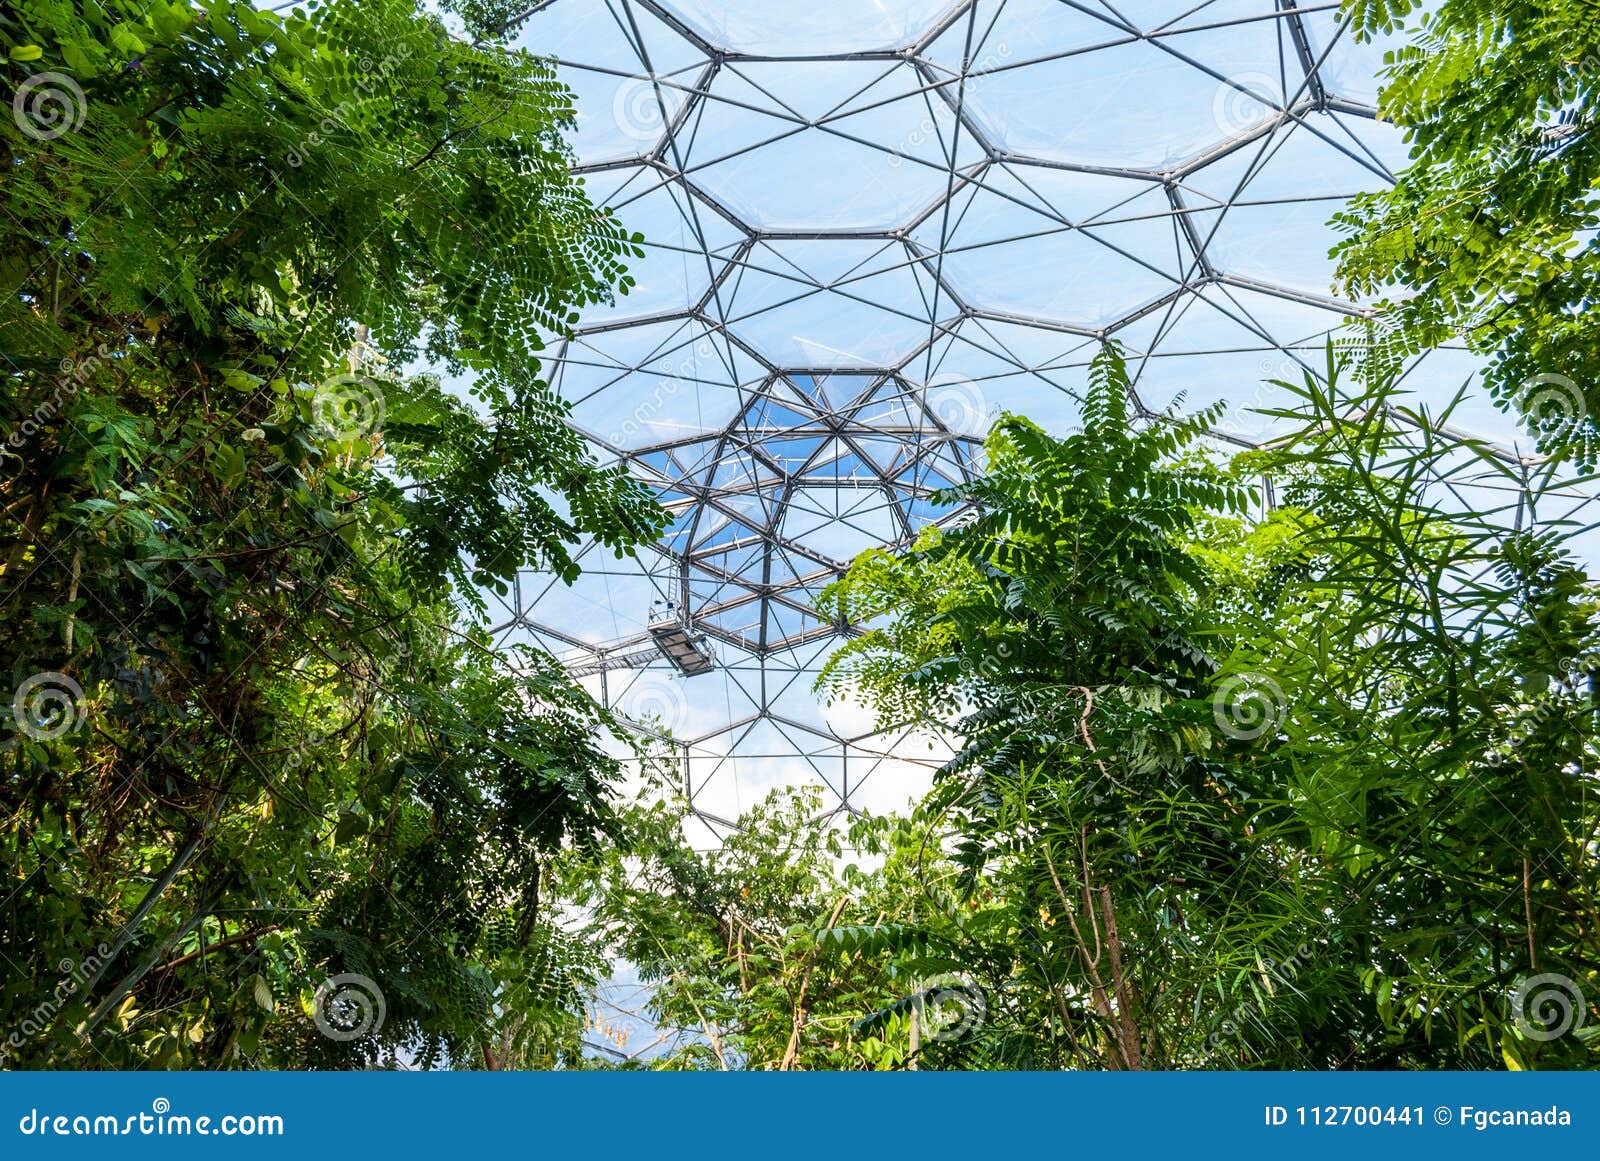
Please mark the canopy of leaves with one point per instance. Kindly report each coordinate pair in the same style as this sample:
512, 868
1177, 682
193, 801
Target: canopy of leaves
1237, 785
1489, 233
1313, 789
246, 543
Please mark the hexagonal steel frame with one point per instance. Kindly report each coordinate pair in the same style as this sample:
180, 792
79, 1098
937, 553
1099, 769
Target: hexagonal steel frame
810, 384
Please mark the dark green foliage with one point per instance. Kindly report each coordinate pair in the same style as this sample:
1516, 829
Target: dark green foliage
1312, 790
1489, 232
246, 536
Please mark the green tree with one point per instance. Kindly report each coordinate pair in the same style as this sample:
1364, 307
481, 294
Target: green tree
1436, 653
1301, 789
242, 548
797, 944
1092, 797
1488, 234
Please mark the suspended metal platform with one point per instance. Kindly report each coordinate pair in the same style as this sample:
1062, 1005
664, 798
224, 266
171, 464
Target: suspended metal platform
689, 652
668, 634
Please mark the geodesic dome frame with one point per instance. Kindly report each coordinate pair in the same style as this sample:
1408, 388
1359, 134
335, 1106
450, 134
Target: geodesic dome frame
870, 229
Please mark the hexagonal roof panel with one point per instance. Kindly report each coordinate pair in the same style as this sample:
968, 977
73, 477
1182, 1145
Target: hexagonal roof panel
777, 28
871, 228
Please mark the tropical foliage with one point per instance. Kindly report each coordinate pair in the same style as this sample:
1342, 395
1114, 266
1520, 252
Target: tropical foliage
1283, 761
258, 742
1488, 235
1306, 790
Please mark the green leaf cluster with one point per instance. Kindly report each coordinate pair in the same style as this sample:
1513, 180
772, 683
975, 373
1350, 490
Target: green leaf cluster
275, 427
